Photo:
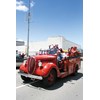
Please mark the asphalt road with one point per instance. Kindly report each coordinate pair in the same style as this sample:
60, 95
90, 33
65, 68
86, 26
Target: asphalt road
69, 88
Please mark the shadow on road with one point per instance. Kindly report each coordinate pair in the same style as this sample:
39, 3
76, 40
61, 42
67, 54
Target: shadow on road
59, 82
70, 78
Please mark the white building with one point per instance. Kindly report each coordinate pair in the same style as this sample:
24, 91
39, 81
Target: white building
36, 46
62, 42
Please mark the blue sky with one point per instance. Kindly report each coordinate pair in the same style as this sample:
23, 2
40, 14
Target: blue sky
50, 18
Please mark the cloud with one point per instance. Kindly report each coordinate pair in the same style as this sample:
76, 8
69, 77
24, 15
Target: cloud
21, 7
32, 4
19, 2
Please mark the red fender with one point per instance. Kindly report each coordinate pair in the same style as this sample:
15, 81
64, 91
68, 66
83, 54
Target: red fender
23, 68
45, 70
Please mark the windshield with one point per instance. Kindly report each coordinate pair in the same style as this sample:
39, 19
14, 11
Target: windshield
43, 52
50, 51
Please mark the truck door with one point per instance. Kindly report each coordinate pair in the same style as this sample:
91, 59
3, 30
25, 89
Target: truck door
71, 65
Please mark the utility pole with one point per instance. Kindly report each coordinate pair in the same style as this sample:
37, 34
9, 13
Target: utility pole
28, 28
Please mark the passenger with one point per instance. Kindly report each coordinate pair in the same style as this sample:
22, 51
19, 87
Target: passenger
53, 49
40, 52
64, 56
72, 52
76, 52
69, 52
59, 56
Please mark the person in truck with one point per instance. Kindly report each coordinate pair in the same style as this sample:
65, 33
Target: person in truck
64, 57
59, 56
73, 52
61, 59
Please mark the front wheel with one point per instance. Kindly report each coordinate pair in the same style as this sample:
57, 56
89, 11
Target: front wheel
50, 79
25, 78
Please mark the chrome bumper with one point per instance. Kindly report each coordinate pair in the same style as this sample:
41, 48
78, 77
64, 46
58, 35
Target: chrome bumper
31, 76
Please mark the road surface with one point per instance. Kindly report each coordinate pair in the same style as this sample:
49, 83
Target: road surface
69, 88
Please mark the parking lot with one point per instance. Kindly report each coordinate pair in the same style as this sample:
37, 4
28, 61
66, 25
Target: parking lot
69, 88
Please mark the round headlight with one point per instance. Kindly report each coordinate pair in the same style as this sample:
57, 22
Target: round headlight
39, 63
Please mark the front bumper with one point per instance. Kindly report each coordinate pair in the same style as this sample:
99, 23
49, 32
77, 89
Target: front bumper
31, 76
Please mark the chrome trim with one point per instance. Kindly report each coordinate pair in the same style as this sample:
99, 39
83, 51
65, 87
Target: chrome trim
31, 76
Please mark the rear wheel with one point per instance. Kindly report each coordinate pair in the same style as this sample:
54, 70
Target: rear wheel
25, 78
76, 70
50, 79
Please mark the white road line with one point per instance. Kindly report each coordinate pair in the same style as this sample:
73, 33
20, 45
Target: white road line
20, 86
25, 85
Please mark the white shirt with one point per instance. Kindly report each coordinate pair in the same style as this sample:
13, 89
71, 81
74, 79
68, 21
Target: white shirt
64, 55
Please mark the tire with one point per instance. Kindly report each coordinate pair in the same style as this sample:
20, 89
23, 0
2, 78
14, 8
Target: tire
25, 78
50, 79
76, 71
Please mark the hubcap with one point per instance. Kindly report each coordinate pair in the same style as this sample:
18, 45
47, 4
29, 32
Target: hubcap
50, 78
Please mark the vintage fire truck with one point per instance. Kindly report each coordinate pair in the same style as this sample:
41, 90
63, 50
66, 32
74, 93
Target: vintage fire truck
47, 68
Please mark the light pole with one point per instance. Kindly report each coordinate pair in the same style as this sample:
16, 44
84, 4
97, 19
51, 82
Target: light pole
28, 30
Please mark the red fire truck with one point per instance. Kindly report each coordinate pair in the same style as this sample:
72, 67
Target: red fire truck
47, 68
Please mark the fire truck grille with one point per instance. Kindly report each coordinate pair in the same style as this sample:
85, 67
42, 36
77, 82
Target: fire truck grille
31, 65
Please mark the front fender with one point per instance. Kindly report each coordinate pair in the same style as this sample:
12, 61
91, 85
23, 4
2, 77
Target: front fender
23, 68
46, 69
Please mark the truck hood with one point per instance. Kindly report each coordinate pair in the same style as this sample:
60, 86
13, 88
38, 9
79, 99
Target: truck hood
32, 62
45, 57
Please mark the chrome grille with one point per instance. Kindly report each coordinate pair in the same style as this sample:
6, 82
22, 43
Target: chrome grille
31, 65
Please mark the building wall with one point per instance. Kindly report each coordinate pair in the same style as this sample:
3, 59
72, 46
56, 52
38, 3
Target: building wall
20, 43
21, 49
20, 46
68, 44
55, 40
36, 46
62, 42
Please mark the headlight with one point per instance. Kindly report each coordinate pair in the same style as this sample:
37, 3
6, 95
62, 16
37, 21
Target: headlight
39, 63
24, 62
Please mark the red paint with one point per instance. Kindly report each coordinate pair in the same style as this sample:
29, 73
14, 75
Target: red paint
49, 62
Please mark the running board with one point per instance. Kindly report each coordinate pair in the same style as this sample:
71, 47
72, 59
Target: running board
63, 74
